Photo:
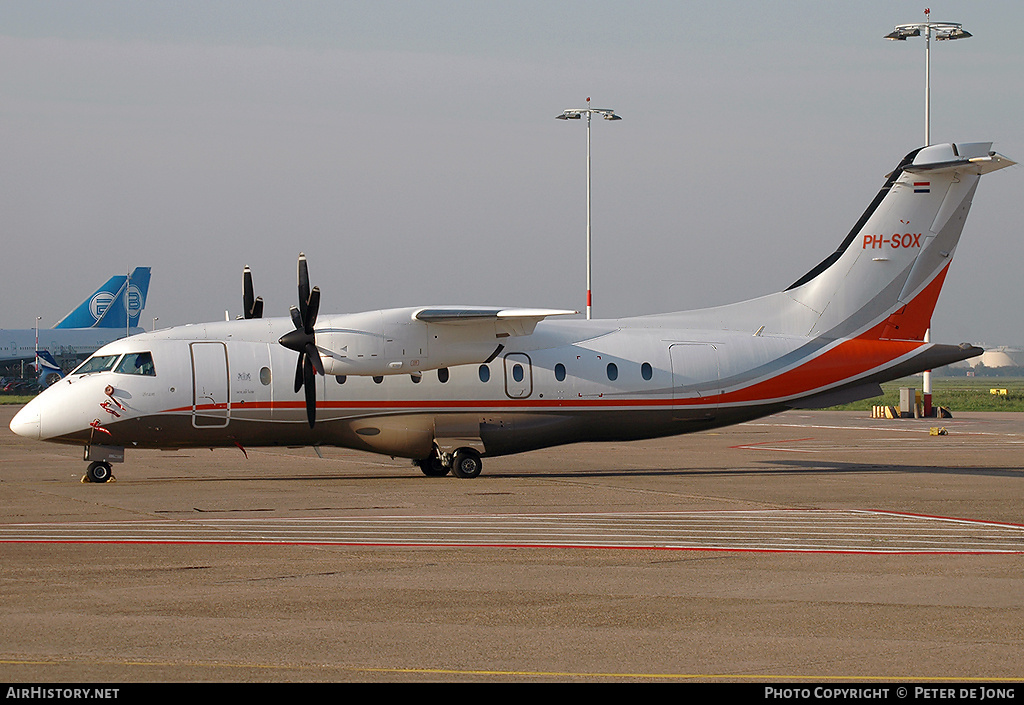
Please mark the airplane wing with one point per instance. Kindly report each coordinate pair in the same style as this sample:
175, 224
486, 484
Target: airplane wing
510, 321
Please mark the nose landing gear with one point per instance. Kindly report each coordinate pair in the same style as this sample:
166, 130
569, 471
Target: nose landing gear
98, 471
101, 457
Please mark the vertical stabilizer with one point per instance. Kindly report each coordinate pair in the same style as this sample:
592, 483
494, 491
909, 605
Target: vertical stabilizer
885, 277
126, 308
105, 307
90, 311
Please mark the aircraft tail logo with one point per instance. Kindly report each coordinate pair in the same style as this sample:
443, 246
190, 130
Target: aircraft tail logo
116, 304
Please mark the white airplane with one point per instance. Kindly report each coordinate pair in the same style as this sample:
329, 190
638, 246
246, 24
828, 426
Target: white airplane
446, 386
109, 313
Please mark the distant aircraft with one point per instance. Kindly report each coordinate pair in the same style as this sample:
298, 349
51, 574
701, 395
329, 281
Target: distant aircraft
109, 313
505, 380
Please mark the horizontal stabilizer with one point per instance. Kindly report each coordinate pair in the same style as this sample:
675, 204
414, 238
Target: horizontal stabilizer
966, 157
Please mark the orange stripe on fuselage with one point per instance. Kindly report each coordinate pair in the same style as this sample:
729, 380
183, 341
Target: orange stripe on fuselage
845, 361
869, 350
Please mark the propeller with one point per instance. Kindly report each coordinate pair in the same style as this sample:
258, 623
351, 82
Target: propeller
252, 307
303, 341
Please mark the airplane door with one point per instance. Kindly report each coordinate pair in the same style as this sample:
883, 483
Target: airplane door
695, 378
518, 375
210, 407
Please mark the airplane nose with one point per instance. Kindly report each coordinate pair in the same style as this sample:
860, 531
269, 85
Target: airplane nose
26, 422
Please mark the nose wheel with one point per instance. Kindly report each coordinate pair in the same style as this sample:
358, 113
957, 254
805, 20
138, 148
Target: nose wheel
98, 471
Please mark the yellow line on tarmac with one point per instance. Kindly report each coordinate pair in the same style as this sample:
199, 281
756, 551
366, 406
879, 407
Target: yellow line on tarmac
761, 677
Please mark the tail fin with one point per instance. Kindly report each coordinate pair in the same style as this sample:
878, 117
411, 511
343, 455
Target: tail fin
105, 307
126, 308
46, 360
884, 279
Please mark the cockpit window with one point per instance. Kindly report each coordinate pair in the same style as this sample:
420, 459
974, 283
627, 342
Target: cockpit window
137, 364
96, 363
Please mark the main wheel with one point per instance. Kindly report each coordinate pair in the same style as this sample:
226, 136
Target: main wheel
466, 463
432, 467
98, 472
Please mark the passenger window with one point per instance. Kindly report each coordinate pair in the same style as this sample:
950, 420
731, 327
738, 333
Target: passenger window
340, 379
517, 373
560, 372
378, 379
442, 375
416, 378
137, 364
613, 371
485, 373
646, 371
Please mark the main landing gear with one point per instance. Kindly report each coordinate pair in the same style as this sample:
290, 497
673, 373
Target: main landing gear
465, 463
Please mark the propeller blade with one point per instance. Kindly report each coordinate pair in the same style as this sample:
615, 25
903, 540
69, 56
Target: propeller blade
313, 355
296, 317
312, 308
298, 374
303, 286
248, 298
252, 305
310, 383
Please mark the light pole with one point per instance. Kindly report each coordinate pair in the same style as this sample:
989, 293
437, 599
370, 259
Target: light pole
576, 114
943, 31
38, 318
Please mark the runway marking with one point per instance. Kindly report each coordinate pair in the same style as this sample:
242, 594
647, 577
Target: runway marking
892, 428
920, 438
398, 670
771, 445
765, 531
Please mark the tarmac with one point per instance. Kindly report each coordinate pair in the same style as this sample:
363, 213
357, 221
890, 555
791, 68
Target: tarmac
804, 547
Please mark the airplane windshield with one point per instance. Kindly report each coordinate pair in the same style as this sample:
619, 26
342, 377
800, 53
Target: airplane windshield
97, 363
137, 364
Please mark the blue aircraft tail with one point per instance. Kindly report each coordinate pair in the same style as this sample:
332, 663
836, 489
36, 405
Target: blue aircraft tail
48, 369
46, 360
116, 304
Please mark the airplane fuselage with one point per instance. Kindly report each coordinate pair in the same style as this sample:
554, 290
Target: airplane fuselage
225, 384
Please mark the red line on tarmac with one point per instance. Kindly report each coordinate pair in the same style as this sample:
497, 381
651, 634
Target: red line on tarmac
377, 544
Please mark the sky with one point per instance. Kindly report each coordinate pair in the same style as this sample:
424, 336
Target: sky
410, 150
